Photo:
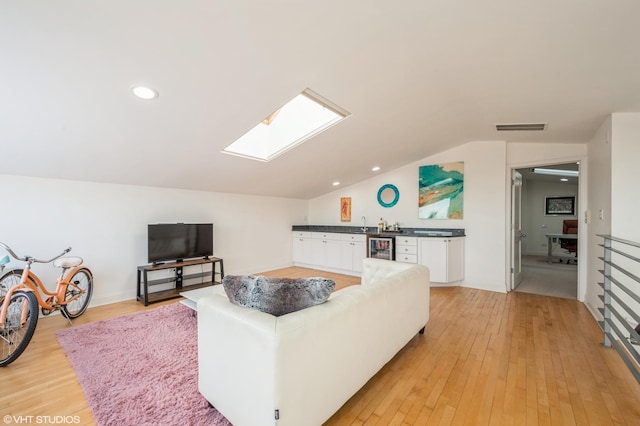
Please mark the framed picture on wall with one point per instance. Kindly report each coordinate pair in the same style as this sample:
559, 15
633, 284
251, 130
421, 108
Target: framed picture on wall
556, 206
441, 191
345, 209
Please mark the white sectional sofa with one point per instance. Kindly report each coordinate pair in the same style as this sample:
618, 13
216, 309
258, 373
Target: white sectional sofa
300, 368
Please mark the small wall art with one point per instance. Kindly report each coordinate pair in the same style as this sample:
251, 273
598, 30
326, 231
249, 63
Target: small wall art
441, 191
345, 209
565, 206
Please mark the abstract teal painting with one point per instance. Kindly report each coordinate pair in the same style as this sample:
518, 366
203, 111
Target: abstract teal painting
441, 191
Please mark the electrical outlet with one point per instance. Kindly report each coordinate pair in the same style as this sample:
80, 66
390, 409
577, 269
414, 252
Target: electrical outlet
601, 214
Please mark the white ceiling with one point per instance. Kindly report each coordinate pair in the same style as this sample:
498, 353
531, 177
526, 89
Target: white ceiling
417, 76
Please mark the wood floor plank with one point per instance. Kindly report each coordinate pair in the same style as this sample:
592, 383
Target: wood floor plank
485, 359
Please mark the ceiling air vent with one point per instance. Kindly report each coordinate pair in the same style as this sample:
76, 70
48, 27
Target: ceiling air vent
520, 126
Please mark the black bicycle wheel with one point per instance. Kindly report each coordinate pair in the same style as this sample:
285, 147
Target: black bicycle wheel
81, 285
9, 279
15, 334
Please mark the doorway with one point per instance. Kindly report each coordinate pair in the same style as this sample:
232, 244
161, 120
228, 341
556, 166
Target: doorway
543, 198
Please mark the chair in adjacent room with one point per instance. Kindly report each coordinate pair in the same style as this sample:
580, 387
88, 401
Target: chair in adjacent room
570, 226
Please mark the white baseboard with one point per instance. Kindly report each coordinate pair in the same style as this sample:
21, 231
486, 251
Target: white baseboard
594, 311
112, 298
324, 268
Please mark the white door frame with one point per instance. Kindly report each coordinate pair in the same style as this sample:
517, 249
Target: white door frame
516, 241
581, 213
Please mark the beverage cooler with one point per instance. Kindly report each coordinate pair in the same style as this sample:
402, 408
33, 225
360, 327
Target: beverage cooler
381, 248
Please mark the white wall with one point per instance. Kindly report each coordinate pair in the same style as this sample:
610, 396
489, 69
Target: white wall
625, 204
541, 154
625, 175
484, 207
535, 223
107, 225
599, 198
613, 190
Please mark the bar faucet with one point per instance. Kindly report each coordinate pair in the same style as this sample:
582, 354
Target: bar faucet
364, 225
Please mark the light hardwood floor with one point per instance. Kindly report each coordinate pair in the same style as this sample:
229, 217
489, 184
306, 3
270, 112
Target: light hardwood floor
486, 358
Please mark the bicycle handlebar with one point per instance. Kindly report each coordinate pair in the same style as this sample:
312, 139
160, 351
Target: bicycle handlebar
32, 259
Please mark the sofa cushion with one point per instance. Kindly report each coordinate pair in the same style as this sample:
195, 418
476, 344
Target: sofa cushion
277, 296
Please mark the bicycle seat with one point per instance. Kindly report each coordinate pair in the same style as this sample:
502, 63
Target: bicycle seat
67, 262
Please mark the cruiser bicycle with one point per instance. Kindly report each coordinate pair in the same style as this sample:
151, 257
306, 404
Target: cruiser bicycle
22, 292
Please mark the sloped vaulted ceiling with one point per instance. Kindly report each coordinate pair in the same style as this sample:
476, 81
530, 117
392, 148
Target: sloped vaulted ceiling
417, 77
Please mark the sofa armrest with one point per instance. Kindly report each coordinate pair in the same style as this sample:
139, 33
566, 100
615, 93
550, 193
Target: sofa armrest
236, 359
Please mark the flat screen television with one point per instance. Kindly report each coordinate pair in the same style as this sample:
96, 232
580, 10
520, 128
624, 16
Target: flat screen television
179, 241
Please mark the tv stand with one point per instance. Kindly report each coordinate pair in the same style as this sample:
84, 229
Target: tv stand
178, 280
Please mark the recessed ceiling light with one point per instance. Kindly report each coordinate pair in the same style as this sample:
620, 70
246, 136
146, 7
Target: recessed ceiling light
336, 183
564, 180
144, 92
375, 169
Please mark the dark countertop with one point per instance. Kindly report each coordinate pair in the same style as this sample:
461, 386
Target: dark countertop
373, 230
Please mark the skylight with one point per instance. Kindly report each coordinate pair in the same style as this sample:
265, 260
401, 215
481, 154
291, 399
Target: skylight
303, 117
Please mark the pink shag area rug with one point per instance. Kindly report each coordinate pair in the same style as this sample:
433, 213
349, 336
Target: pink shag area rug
141, 368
